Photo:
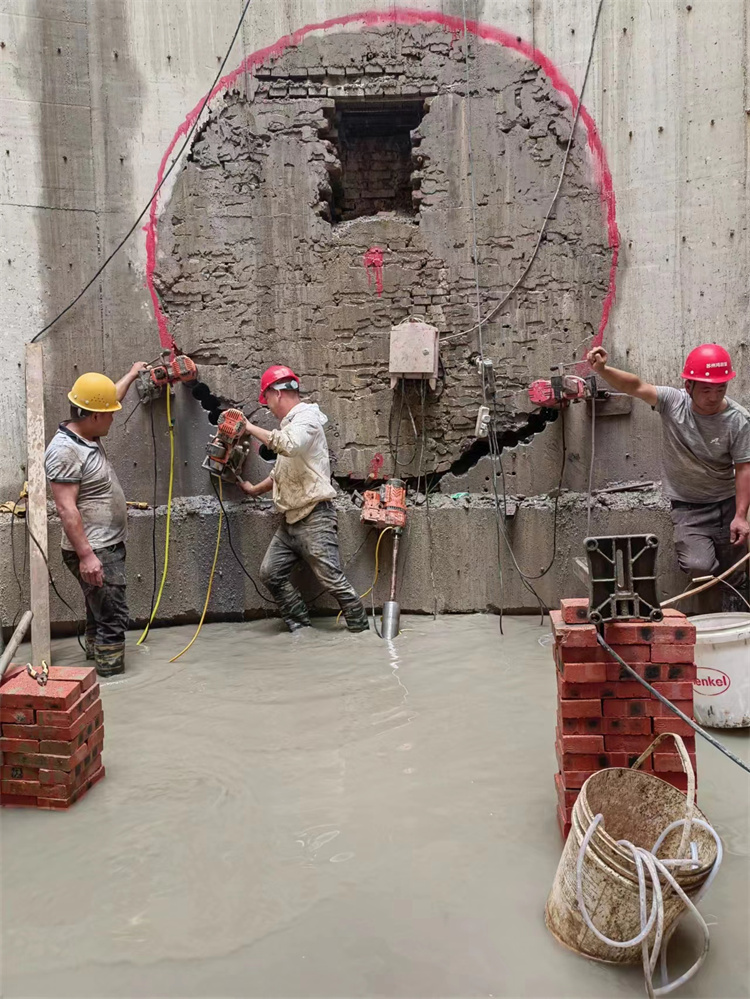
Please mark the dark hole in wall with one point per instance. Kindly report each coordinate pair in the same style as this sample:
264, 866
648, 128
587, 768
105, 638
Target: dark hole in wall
375, 147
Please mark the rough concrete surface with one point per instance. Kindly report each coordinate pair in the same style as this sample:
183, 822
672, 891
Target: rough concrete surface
330, 815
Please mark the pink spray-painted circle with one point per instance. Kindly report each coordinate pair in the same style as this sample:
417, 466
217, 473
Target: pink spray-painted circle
403, 16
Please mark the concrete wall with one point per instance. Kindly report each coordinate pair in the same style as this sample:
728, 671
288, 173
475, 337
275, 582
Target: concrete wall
91, 93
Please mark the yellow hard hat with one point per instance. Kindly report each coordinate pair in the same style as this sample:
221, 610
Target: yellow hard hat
95, 392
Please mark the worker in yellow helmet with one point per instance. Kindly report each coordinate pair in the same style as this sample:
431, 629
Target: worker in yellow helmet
93, 513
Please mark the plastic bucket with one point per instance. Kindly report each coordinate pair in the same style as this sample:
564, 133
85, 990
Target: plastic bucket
722, 655
636, 806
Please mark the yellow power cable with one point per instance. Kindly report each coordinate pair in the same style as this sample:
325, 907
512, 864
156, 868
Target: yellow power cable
169, 518
377, 570
210, 584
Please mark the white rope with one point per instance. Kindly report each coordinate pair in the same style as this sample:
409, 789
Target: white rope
656, 869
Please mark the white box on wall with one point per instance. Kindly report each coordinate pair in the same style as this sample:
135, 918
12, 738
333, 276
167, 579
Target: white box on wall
414, 353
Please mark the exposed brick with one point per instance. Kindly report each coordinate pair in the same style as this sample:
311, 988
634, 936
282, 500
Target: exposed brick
672, 654
626, 761
84, 725
584, 672
19, 773
67, 781
670, 762
580, 709
75, 795
580, 726
658, 710
64, 719
627, 743
626, 726
630, 689
630, 653
53, 762
620, 708
85, 675
563, 823
575, 610
576, 762
582, 743
572, 635
682, 671
668, 632
19, 745
576, 779
17, 716
675, 691
585, 690
14, 800
28, 787
24, 692
566, 796
673, 612
673, 724
676, 780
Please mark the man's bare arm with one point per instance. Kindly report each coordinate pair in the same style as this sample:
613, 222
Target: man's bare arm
126, 381
621, 381
739, 530
65, 495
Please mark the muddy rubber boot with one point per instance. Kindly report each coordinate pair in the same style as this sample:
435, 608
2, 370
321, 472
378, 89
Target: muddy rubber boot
90, 644
110, 659
356, 619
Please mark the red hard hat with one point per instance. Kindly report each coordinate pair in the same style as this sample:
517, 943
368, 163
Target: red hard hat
709, 363
276, 373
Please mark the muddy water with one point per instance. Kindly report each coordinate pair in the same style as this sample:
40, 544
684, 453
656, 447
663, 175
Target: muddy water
325, 815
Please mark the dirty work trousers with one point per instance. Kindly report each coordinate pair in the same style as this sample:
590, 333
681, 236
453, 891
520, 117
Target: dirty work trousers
701, 540
314, 540
106, 609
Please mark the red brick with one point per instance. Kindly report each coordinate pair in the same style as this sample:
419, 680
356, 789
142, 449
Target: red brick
669, 632
563, 823
19, 745
81, 729
669, 745
627, 743
673, 612
630, 689
572, 635
582, 743
671, 762
574, 779
586, 691
24, 692
87, 725
19, 773
580, 726
566, 797
575, 610
575, 762
682, 671
53, 762
580, 709
17, 716
75, 794
67, 781
675, 691
85, 675
27, 787
649, 671
658, 710
17, 799
626, 761
630, 653
64, 719
676, 780
584, 672
21, 732
673, 724
621, 708
626, 726
673, 654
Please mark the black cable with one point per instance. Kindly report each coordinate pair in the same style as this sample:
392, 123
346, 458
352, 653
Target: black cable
544, 572
427, 504
59, 596
127, 418
239, 561
153, 525
174, 163
672, 707
15, 572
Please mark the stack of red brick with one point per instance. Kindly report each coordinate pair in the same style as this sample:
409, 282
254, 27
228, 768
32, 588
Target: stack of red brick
605, 718
50, 737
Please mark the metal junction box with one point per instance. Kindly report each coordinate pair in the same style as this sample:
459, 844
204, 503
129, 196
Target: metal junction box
414, 352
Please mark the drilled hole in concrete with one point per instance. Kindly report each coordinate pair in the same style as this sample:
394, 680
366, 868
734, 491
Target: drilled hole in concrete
374, 143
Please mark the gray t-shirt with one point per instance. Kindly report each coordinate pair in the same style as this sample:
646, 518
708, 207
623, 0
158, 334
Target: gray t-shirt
699, 452
101, 501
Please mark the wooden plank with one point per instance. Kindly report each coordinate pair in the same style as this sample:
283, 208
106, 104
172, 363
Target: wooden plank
37, 504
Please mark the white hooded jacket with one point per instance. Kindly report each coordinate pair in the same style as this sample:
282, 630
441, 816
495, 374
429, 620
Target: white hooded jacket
302, 473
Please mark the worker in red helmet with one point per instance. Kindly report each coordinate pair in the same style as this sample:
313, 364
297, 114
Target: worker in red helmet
303, 492
705, 458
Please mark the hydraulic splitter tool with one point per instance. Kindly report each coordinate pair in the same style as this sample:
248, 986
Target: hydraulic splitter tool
226, 451
162, 373
386, 508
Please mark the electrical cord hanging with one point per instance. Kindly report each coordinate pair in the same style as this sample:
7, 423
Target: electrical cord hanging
377, 570
495, 309
589, 497
153, 519
210, 584
170, 424
238, 560
167, 173
427, 506
59, 595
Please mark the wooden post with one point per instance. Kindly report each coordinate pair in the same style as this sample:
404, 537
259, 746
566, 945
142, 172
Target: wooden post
36, 504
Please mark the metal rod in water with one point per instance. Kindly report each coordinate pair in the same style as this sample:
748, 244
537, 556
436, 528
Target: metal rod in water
394, 566
694, 725
391, 619
15, 640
